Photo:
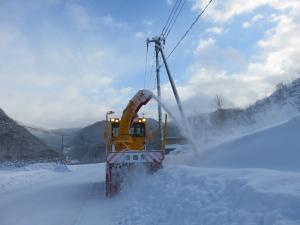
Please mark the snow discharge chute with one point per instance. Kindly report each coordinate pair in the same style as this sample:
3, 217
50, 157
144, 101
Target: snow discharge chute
124, 139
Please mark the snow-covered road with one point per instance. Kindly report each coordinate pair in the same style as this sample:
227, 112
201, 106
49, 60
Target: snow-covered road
175, 195
64, 198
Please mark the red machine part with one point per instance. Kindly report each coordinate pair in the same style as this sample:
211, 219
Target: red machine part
120, 164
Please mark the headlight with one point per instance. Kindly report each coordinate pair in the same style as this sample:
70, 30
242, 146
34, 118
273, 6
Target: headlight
144, 119
112, 120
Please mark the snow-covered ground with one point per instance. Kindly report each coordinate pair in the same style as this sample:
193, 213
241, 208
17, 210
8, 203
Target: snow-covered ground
57, 197
177, 194
13, 176
185, 195
252, 180
276, 147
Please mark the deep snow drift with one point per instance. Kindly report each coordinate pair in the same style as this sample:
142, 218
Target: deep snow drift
184, 195
274, 148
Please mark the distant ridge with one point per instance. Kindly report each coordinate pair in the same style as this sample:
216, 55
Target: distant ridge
16, 143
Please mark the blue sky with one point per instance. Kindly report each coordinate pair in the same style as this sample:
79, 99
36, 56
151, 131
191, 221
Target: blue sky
65, 63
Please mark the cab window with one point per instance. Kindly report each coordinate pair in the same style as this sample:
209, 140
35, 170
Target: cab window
137, 130
115, 129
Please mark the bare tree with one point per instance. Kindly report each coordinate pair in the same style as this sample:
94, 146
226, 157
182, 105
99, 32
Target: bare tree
281, 89
280, 86
219, 102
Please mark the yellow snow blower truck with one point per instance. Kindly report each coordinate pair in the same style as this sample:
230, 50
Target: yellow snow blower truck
126, 144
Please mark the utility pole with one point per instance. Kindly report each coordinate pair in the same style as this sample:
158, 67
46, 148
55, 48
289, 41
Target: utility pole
157, 42
159, 49
62, 148
160, 126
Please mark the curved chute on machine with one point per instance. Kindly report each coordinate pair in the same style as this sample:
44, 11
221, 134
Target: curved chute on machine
124, 139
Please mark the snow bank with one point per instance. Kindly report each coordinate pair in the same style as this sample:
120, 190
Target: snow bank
276, 147
14, 176
184, 195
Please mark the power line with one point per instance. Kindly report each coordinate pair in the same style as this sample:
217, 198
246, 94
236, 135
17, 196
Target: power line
190, 27
170, 17
175, 18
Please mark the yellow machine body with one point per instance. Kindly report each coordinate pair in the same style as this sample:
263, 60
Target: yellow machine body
129, 132
134, 140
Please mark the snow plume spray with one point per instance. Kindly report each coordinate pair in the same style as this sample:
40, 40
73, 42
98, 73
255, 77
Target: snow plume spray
186, 128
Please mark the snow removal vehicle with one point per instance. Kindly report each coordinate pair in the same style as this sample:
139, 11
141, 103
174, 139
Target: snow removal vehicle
126, 144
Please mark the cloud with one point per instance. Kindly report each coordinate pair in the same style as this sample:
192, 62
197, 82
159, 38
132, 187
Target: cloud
140, 34
77, 94
254, 19
8, 35
246, 24
82, 18
68, 107
275, 60
215, 30
170, 2
79, 15
148, 22
204, 44
223, 11
109, 21
54, 77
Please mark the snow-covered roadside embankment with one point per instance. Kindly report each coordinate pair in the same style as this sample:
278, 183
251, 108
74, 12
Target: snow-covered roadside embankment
187, 195
15, 176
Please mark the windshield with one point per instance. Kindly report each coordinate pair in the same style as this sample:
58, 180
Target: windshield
115, 129
136, 130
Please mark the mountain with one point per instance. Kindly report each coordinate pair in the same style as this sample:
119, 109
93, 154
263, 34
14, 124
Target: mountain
88, 145
53, 138
16, 143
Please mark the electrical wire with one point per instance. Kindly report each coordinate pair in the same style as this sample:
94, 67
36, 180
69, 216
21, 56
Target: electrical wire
170, 18
175, 18
190, 27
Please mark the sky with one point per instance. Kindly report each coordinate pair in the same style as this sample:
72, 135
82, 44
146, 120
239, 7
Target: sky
65, 63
